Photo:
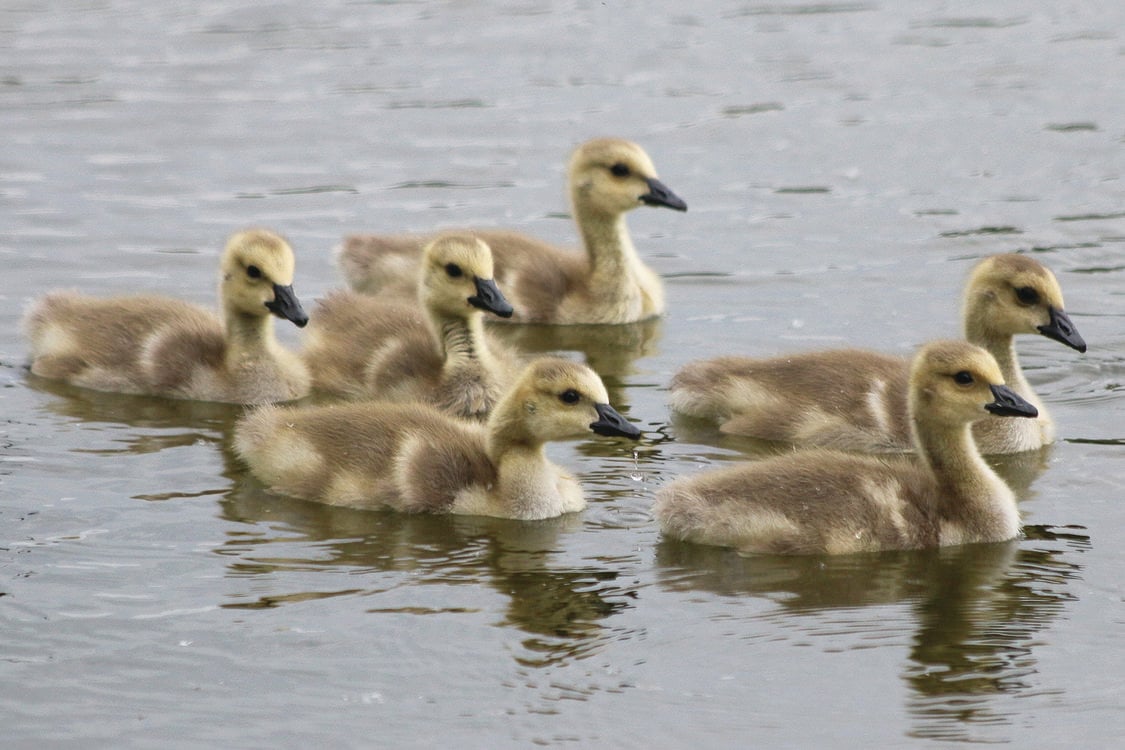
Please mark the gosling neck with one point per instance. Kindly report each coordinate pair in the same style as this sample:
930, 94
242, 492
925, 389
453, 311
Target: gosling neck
951, 454
526, 482
1003, 348
609, 247
460, 339
249, 337
508, 432
972, 501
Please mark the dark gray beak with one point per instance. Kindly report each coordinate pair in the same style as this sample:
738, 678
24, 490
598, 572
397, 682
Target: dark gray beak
1062, 329
286, 305
490, 299
1009, 404
659, 195
612, 424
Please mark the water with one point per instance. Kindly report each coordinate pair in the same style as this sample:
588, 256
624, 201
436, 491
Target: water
844, 164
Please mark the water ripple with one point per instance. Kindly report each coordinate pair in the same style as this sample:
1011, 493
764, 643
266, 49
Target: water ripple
982, 230
1092, 216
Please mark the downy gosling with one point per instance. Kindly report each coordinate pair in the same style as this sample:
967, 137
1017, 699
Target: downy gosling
167, 347
608, 283
856, 399
822, 501
434, 350
413, 458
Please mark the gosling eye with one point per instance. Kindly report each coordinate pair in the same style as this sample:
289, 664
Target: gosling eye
254, 272
453, 270
620, 170
570, 396
1027, 295
964, 377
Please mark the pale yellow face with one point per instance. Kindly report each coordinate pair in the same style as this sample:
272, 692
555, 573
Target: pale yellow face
558, 398
450, 267
954, 381
253, 262
610, 175
1008, 295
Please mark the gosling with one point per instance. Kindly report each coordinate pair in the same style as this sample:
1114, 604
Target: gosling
822, 501
413, 458
856, 400
608, 283
359, 346
162, 346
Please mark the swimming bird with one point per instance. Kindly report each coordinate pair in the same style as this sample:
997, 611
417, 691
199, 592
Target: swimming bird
161, 346
434, 350
608, 283
410, 457
827, 501
856, 399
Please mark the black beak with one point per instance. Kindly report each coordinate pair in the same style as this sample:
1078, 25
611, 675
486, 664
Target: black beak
612, 424
1009, 404
659, 195
490, 298
1062, 329
286, 305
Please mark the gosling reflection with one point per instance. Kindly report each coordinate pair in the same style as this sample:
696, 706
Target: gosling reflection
975, 634
688, 429
561, 611
610, 350
156, 423
977, 608
1020, 470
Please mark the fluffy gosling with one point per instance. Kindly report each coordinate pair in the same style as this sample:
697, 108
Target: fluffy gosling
856, 400
413, 458
360, 346
608, 283
823, 501
167, 347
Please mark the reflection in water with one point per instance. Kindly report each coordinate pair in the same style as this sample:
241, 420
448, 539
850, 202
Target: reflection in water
188, 421
1019, 470
803, 583
688, 429
610, 350
975, 634
562, 611
976, 609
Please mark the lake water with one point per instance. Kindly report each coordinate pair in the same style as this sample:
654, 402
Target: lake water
845, 163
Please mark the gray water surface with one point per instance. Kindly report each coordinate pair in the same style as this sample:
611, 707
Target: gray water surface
845, 164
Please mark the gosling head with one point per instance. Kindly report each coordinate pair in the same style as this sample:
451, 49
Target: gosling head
1012, 294
457, 277
955, 382
256, 275
557, 399
612, 176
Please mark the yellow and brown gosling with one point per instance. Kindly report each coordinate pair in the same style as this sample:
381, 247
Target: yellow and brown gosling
607, 283
435, 349
167, 347
822, 501
413, 458
856, 399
